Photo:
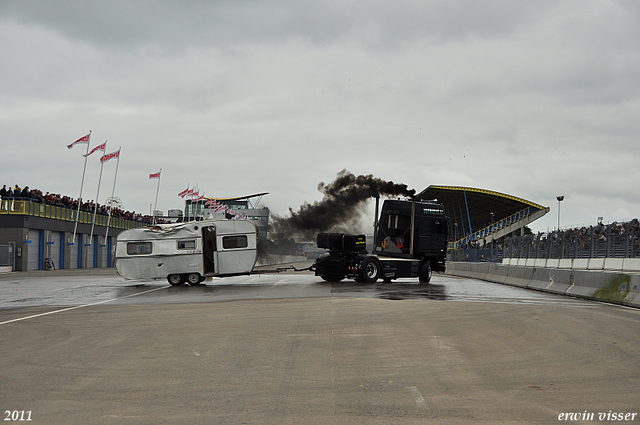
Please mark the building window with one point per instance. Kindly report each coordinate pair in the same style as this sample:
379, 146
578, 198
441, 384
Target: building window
139, 248
393, 221
231, 242
188, 244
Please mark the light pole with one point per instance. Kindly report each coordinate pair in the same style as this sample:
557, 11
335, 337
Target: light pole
492, 237
560, 199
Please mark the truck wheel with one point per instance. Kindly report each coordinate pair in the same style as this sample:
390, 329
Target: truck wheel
175, 279
331, 278
370, 270
425, 272
193, 278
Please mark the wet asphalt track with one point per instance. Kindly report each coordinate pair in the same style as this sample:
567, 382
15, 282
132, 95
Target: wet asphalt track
76, 288
87, 347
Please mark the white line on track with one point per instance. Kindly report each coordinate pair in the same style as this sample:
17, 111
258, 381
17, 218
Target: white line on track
420, 401
81, 306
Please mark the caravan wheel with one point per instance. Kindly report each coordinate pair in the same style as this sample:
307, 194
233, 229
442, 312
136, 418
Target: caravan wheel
175, 279
193, 278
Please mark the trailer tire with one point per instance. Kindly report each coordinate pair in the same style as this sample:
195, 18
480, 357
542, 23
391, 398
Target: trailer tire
175, 279
425, 272
370, 270
193, 278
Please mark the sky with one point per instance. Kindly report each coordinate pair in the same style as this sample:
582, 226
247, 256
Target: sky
534, 99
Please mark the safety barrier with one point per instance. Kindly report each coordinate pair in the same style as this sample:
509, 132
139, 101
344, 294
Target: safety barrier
631, 265
600, 285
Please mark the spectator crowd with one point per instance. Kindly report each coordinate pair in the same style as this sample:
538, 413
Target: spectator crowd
602, 240
35, 195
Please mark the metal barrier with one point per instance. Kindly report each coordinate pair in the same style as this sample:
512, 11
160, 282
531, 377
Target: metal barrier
476, 255
616, 240
37, 209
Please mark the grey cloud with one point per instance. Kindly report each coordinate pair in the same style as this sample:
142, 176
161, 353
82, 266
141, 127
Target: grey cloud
181, 23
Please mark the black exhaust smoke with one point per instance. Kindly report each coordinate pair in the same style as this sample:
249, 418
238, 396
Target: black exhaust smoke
340, 209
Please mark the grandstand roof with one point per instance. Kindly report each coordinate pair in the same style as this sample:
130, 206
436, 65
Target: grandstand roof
468, 204
239, 197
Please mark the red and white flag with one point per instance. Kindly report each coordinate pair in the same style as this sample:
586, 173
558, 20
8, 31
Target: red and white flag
183, 193
198, 198
155, 176
84, 139
109, 156
101, 147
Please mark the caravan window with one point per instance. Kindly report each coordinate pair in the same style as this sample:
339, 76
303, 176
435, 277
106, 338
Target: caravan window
139, 248
230, 242
188, 244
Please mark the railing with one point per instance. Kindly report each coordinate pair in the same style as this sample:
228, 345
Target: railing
478, 235
616, 240
477, 255
37, 209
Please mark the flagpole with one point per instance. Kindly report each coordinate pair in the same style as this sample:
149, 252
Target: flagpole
113, 190
155, 206
95, 208
185, 202
84, 169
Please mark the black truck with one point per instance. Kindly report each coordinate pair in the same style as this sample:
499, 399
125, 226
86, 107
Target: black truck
410, 240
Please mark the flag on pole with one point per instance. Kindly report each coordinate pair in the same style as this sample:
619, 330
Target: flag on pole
183, 193
84, 139
155, 175
101, 147
198, 198
109, 156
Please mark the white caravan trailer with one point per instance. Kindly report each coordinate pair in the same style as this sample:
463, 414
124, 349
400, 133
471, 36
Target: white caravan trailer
187, 252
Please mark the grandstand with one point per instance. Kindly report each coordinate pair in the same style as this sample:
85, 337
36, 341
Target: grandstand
615, 246
479, 216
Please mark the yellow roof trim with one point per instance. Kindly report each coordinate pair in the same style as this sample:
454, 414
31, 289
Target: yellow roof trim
486, 192
237, 198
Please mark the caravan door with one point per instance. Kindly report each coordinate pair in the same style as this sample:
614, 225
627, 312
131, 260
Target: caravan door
209, 250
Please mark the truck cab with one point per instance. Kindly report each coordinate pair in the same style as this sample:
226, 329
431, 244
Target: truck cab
410, 240
394, 237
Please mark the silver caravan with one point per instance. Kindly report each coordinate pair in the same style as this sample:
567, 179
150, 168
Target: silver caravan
187, 252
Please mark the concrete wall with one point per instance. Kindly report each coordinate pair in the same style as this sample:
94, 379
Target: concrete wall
601, 285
